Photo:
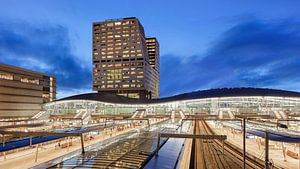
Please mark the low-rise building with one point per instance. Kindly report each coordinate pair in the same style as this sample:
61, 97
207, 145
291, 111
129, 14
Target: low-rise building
22, 91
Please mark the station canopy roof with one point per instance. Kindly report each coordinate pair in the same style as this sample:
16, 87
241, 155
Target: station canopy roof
211, 93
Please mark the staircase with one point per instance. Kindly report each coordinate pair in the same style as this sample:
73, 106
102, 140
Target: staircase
42, 115
231, 115
182, 115
135, 114
79, 114
173, 114
84, 115
277, 115
283, 114
220, 114
140, 113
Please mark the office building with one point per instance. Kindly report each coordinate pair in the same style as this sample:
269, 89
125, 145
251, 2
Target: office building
22, 91
121, 61
153, 53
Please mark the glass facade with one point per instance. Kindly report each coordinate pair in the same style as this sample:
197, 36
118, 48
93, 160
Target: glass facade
264, 105
121, 59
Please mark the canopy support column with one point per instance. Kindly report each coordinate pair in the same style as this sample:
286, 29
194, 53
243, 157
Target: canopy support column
82, 144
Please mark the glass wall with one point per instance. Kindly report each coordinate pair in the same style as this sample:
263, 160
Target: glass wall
229, 105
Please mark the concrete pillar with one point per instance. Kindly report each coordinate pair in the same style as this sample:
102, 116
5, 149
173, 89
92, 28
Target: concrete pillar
266, 150
3, 140
223, 147
158, 142
283, 151
68, 141
36, 152
82, 144
30, 140
4, 155
244, 143
299, 155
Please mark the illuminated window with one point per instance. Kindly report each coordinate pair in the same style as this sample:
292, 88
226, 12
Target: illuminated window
6, 76
126, 23
110, 24
114, 74
134, 95
117, 36
28, 80
125, 85
118, 23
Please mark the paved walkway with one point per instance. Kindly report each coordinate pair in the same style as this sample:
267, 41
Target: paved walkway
26, 158
252, 147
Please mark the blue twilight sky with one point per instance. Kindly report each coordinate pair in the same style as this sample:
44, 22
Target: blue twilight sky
204, 43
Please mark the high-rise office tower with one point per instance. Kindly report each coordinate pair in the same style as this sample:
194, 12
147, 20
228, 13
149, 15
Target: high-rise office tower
153, 54
124, 61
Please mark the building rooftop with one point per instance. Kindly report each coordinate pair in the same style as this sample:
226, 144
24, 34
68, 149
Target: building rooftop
23, 70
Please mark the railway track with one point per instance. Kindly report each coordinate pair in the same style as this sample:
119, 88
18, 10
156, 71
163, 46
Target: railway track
208, 153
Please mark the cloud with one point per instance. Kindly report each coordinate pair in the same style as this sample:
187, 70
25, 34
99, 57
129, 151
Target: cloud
249, 54
44, 48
